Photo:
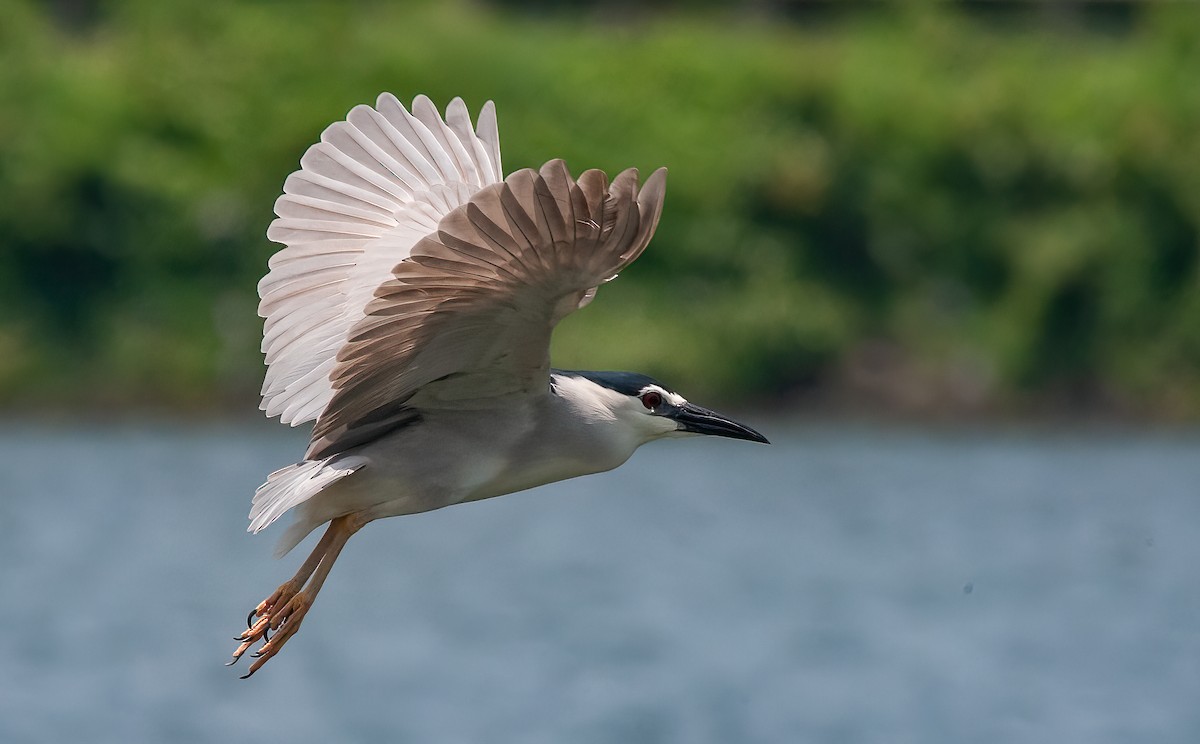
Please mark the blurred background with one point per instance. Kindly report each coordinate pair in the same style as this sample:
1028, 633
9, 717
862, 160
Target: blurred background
969, 207
949, 252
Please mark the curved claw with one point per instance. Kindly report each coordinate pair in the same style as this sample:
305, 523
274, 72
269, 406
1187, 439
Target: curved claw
266, 636
237, 654
243, 637
273, 622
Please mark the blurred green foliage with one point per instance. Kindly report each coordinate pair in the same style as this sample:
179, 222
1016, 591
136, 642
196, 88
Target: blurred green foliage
909, 208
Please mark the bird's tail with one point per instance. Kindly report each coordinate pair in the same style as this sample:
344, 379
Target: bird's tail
291, 486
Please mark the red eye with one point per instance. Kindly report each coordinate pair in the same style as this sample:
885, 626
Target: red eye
651, 400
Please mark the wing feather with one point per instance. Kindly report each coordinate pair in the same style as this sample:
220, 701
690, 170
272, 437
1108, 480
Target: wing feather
426, 141
310, 183
349, 138
489, 136
466, 318
412, 149
372, 187
427, 113
459, 120
554, 202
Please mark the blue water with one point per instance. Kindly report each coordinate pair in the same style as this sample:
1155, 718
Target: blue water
846, 584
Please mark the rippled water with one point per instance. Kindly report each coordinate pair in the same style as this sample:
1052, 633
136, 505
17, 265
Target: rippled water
843, 585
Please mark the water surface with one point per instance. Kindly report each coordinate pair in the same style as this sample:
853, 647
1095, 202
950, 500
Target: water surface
844, 585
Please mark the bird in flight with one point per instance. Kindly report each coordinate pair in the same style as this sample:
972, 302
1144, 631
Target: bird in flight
409, 315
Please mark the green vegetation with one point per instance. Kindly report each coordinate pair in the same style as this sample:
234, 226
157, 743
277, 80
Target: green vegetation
920, 210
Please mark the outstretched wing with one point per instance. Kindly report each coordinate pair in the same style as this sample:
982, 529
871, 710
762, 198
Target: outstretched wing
365, 194
466, 318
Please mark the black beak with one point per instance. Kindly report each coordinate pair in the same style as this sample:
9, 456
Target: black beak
703, 421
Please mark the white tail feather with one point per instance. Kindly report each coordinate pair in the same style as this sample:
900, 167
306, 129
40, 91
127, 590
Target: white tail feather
291, 486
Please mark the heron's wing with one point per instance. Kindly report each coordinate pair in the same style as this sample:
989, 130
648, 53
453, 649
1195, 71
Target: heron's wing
466, 318
365, 194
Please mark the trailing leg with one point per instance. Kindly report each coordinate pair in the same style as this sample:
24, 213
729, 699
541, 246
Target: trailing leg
283, 611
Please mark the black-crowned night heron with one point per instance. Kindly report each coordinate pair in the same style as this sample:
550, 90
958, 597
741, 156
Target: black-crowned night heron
410, 315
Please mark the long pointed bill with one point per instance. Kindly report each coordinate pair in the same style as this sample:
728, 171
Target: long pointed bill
703, 421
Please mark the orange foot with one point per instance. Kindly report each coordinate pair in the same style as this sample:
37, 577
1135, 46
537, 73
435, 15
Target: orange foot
280, 613
284, 610
262, 620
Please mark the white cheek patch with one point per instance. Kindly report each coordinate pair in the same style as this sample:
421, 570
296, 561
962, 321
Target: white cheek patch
674, 399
